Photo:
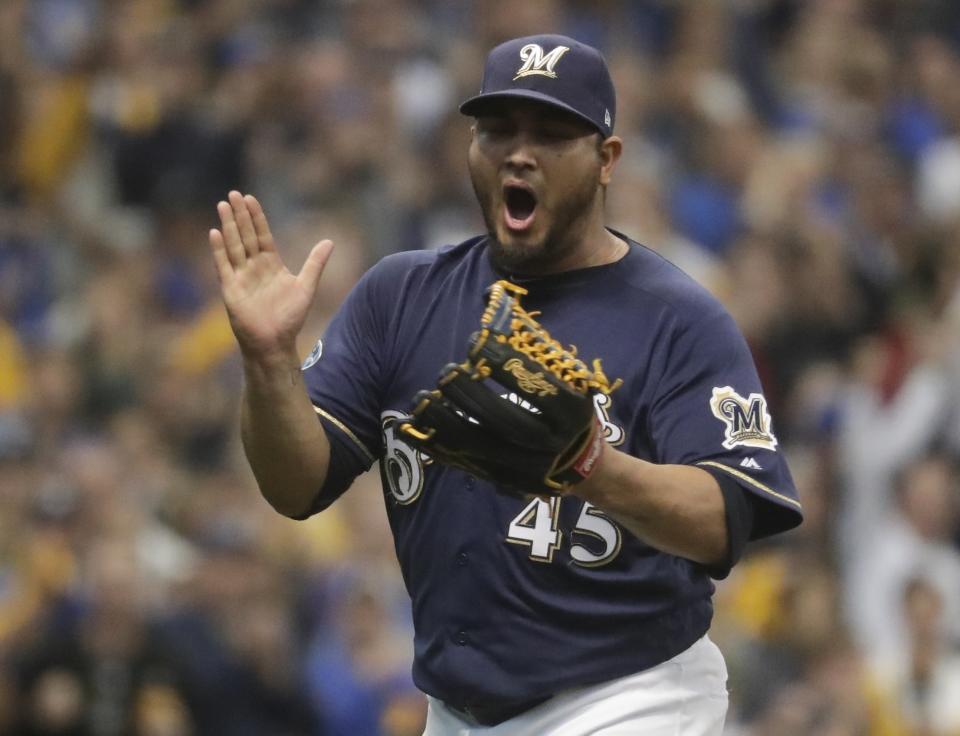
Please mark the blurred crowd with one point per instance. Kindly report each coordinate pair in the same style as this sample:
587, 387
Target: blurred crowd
801, 158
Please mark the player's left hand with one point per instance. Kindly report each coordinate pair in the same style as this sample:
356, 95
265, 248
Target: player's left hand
518, 411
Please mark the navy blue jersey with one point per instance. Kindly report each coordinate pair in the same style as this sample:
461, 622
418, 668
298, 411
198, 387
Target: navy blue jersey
515, 599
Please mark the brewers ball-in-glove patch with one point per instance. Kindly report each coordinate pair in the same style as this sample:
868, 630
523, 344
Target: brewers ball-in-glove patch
518, 411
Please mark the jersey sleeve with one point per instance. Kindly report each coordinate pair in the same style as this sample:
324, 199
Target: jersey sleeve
709, 411
344, 376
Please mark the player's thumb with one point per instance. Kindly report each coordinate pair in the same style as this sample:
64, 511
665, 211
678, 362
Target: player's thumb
309, 275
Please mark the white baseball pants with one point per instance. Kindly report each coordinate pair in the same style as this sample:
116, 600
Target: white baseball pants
684, 696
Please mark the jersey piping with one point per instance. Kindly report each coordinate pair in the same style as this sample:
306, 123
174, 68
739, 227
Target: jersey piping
347, 431
747, 479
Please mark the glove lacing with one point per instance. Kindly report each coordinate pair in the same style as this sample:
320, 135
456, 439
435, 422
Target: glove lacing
528, 337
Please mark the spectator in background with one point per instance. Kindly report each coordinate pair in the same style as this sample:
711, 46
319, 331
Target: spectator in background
101, 673
912, 542
925, 679
359, 667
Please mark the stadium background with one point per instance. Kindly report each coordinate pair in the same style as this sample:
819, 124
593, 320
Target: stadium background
801, 159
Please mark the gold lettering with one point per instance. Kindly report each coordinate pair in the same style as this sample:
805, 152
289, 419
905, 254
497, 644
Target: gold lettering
532, 383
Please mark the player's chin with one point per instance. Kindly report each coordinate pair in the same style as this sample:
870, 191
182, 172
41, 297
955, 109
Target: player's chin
520, 241
529, 239
512, 251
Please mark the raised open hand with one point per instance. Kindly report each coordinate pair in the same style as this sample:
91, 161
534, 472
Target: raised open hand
266, 303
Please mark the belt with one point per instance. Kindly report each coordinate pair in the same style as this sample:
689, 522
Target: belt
494, 715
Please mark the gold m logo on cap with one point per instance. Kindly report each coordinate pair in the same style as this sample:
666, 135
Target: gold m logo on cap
536, 62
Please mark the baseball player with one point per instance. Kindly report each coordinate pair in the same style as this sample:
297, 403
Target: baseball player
558, 558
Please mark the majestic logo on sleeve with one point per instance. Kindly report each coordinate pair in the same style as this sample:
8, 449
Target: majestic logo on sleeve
747, 420
537, 62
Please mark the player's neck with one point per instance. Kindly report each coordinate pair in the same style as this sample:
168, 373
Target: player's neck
596, 247
606, 248
594, 244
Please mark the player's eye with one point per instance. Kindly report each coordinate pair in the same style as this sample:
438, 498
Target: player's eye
559, 132
494, 128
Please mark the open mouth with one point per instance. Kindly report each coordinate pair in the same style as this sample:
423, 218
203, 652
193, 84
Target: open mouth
521, 203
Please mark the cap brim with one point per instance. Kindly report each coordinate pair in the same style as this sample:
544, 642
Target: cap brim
475, 105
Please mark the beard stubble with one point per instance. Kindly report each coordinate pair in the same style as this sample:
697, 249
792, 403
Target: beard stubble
562, 238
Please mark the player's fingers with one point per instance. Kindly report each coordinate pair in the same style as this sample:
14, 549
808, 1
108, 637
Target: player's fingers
231, 235
220, 257
248, 235
260, 223
312, 268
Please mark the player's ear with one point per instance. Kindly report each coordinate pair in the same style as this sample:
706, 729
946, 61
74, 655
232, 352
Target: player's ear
609, 150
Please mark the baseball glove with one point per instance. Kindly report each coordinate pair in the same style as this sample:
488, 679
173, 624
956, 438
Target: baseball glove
518, 411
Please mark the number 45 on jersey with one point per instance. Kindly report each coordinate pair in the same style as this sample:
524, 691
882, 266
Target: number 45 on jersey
595, 539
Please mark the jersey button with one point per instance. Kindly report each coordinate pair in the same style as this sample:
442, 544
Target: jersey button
462, 559
469, 484
462, 638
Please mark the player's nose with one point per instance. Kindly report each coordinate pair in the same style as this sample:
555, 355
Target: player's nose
521, 152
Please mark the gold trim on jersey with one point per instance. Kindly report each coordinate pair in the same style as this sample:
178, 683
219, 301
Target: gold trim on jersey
347, 431
755, 483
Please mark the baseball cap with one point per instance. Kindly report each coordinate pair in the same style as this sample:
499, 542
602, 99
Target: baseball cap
552, 69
